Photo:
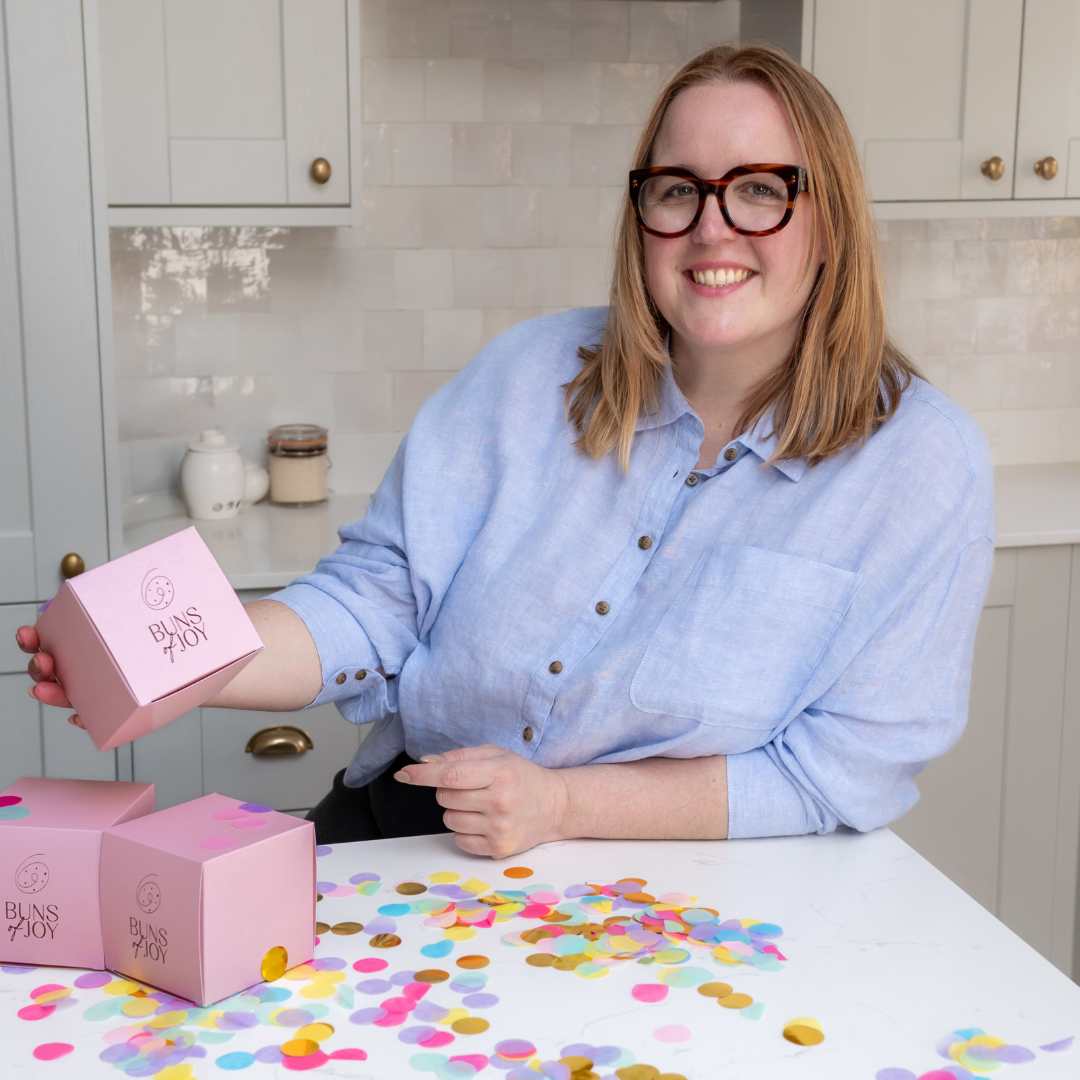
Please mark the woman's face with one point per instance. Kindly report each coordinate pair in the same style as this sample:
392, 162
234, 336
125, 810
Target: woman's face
709, 129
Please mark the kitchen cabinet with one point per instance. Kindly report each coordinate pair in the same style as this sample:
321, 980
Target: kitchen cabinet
236, 113
1000, 813
52, 484
957, 101
206, 751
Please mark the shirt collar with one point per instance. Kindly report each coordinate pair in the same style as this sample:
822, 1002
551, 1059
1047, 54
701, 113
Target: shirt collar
761, 439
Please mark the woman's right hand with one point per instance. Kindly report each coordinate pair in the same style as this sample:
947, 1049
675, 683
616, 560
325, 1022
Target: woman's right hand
42, 670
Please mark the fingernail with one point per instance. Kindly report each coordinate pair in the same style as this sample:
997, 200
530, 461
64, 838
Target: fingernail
403, 777
30, 691
35, 667
430, 757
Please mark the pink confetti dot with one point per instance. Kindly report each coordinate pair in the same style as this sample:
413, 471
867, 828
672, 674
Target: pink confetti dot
676, 1033
47, 988
369, 964
349, 1053
477, 1061
650, 992
308, 1061
440, 1038
10, 800
52, 1051
35, 1012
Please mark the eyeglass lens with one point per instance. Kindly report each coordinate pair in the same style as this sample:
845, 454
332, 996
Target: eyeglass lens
754, 202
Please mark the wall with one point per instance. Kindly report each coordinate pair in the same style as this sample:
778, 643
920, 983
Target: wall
496, 141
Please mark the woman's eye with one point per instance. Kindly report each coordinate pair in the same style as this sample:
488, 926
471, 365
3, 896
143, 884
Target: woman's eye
680, 191
759, 190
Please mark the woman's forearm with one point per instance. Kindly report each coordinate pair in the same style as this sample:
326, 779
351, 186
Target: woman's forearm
287, 674
652, 799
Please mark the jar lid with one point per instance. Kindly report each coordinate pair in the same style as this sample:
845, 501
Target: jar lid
212, 440
292, 438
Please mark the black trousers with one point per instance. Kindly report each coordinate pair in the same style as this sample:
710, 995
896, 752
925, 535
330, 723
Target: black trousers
381, 809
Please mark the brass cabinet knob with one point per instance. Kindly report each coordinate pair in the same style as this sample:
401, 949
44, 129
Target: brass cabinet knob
281, 741
72, 565
1046, 168
320, 170
993, 168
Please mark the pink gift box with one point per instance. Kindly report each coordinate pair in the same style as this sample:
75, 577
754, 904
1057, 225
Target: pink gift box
209, 897
50, 844
147, 637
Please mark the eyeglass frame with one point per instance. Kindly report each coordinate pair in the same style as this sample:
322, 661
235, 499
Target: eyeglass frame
794, 176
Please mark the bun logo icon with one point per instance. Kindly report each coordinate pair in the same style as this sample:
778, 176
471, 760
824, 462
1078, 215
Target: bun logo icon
157, 591
148, 894
31, 875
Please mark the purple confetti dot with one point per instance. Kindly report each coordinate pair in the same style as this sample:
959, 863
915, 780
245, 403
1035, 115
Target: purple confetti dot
414, 1035
374, 986
894, 1074
1014, 1055
237, 1021
480, 1001
454, 892
118, 1052
380, 925
255, 808
429, 1011
358, 879
92, 979
576, 890
325, 886
323, 849
328, 963
402, 978
293, 1018
367, 1016
269, 1055
1058, 1046
17, 969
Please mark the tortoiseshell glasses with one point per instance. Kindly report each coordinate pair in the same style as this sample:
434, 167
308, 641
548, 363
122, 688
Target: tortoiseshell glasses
756, 199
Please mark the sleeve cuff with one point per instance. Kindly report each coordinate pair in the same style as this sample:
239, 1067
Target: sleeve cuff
348, 659
761, 800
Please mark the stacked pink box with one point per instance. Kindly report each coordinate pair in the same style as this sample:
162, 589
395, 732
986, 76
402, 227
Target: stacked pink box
208, 897
50, 845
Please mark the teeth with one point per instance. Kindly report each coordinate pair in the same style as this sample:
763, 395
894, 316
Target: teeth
720, 277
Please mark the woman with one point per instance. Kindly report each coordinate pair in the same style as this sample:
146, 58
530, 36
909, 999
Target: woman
706, 563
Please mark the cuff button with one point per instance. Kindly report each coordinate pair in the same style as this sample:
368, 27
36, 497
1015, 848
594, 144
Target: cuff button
341, 678
362, 673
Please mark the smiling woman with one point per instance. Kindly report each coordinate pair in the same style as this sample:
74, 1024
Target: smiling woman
706, 562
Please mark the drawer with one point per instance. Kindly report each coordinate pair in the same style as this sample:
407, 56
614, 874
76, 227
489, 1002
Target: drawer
285, 783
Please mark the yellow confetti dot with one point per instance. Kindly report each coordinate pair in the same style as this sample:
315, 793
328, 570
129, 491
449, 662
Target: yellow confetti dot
301, 971
443, 877
299, 1047
121, 987
139, 1007
317, 990
475, 885
168, 1019
315, 1032
175, 1072
470, 1025
275, 963
804, 1031
453, 1016
460, 933
52, 995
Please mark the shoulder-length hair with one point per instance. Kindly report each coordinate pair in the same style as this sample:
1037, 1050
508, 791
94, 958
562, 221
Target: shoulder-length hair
844, 376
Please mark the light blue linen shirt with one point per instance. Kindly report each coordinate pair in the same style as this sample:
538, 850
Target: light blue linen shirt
816, 625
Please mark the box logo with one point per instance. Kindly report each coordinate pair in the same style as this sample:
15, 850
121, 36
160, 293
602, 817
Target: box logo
28, 919
148, 940
148, 894
157, 590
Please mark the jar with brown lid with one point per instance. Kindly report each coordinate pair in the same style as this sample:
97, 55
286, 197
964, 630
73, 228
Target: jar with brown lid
298, 464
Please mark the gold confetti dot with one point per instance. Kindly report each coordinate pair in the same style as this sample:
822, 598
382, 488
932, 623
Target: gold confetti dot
384, 941
318, 897
639, 897
274, 963
804, 1031
299, 1047
411, 888
540, 959
315, 1032
472, 962
517, 872
637, 1072
346, 928
322, 928
714, 989
431, 975
576, 1064
735, 1001
470, 1025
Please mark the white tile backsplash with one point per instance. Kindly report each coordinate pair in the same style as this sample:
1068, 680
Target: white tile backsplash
495, 144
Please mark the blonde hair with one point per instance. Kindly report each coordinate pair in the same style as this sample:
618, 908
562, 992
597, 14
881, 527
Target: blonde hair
844, 376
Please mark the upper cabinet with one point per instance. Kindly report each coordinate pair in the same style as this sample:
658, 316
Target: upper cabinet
957, 100
237, 113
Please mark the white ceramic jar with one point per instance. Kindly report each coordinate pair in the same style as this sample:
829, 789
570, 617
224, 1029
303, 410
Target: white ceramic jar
212, 477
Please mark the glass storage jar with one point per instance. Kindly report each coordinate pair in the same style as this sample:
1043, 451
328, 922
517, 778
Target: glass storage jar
298, 464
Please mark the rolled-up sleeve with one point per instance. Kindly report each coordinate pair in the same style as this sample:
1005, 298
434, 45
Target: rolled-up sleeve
359, 605
851, 757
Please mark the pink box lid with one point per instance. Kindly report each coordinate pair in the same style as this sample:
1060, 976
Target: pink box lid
41, 802
153, 586
208, 827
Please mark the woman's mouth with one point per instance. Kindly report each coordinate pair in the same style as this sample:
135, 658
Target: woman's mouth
717, 282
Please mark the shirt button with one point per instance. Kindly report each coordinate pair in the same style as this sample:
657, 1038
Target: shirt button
555, 667
730, 453
602, 607
341, 678
362, 673
692, 479
527, 734
644, 542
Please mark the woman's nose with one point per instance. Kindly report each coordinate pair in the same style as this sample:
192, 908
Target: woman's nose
711, 225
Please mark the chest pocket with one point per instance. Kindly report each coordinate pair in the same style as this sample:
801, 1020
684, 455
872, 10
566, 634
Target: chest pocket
742, 637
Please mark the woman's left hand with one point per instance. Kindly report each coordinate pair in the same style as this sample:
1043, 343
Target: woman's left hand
496, 802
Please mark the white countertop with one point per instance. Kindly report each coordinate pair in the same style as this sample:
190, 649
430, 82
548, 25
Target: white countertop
267, 546
883, 951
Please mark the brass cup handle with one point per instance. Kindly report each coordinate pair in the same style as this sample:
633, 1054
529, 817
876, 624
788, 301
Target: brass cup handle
1046, 168
320, 170
281, 741
72, 565
993, 168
